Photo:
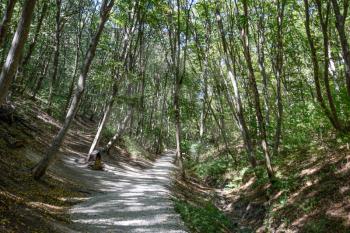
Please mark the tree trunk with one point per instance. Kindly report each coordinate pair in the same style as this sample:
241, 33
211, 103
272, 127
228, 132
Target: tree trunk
254, 89
36, 34
316, 72
340, 25
242, 125
6, 20
163, 114
10, 67
105, 118
41, 78
279, 73
178, 123
120, 130
261, 60
53, 80
40, 169
80, 28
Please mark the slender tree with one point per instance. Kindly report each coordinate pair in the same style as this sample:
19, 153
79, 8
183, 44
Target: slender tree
6, 20
11, 64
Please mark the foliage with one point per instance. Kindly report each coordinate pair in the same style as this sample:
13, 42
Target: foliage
203, 219
212, 171
135, 150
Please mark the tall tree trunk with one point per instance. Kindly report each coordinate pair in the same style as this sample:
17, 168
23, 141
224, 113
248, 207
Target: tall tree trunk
279, 73
10, 67
316, 72
6, 20
163, 114
340, 25
324, 25
178, 78
36, 34
41, 78
59, 27
261, 60
254, 89
105, 118
237, 96
120, 130
40, 169
71, 87
21, 82
178, 123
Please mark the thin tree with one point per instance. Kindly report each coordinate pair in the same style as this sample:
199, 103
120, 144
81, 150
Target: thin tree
340, 19
14, 55
238, 109
279, 74
39, 24
58, 33
118, 74
6, 19
330, 111
254, 90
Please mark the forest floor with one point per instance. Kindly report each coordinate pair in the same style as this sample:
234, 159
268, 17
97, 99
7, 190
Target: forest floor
130, 194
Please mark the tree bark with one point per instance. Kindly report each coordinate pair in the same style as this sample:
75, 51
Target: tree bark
40, 169
10, 67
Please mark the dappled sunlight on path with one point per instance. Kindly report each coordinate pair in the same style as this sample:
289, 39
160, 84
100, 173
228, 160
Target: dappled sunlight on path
131, 200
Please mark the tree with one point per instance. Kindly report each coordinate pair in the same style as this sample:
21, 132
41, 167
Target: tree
6, 20
254, 89
330, 110
10, 67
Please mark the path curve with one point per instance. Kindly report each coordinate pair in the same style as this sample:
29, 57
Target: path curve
131, 200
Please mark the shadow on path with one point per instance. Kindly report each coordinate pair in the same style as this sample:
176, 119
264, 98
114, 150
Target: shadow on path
131, 200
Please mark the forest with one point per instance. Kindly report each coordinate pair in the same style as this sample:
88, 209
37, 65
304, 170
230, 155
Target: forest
174, 116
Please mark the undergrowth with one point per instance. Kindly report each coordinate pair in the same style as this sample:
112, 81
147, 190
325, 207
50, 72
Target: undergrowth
310, 193
136, 150
203, 219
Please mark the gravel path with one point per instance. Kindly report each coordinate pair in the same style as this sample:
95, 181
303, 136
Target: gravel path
131, 200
